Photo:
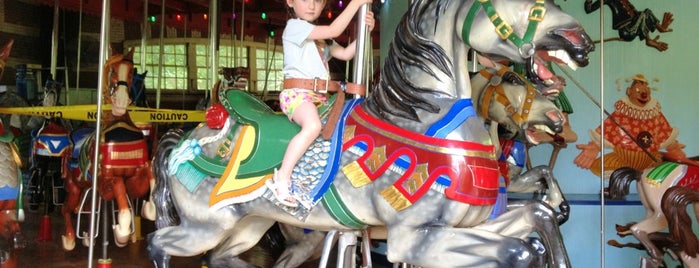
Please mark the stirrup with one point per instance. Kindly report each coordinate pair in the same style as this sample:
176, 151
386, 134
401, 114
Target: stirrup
272, 185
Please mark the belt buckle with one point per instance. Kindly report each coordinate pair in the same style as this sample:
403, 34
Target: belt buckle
315, 85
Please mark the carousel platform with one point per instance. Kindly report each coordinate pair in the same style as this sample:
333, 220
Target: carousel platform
51, 254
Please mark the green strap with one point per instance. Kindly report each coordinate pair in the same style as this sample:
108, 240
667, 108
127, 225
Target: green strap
659, 173
504, 29
337, 209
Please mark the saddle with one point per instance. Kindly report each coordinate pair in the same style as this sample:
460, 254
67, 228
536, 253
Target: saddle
51, 139
273, 128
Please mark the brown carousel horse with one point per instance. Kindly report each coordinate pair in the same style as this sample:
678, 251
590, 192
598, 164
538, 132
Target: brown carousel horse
124, 170
11, 212
653, 184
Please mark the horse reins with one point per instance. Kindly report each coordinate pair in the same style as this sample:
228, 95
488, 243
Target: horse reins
496, 92
504, 29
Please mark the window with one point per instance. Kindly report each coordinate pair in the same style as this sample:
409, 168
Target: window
269, 68
174, 66
186, 64
226, 58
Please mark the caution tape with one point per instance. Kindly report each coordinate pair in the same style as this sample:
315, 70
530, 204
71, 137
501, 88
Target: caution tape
88, 112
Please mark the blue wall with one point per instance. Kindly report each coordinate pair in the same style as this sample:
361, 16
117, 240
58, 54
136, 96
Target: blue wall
677, 94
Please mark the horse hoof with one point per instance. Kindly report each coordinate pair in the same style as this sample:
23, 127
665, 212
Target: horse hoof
121, 241
86, 240
68, 243
148, 211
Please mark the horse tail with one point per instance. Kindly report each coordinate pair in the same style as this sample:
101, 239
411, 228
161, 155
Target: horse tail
165, 209
674, 204
620, 180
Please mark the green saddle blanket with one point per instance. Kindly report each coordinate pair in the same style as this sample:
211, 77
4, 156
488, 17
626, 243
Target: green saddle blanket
273, 130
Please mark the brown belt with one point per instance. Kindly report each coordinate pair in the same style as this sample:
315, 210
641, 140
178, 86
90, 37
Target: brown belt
323, 86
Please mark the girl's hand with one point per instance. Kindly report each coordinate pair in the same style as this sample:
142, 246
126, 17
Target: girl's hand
369, 19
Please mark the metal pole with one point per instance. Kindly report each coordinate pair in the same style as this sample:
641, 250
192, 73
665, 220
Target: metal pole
213, 35
54, 40
80, 38
160, 63
144, 35
359, 57
104, 42
601, 120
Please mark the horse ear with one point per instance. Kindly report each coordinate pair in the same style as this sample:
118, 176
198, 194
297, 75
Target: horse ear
5, 51
130, 54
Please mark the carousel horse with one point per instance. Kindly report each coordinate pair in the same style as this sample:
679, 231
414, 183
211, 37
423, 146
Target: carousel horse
413, 157
497, 93
138, 89
50, 144
11, 208
652, 183
507, 102
124, 169
11, 211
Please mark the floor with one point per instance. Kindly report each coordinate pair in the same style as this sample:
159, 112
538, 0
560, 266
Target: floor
51, 254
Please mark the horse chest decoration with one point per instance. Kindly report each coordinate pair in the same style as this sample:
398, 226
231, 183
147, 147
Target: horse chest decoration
124, 170
414, 157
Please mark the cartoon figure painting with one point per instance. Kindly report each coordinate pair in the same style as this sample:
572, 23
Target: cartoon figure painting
637, 131
631, 22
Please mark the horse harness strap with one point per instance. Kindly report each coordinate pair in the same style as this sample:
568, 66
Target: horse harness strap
324, 86
504, 29
496, 92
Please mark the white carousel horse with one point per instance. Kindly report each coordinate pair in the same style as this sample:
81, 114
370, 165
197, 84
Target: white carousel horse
414, 157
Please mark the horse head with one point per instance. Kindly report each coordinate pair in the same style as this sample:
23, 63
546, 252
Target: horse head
234, 75
547, 35
426, 69
508, 99
52, 92
118, 78
138, 88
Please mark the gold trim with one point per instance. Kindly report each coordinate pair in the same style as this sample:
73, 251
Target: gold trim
355, 174
133, 154
395, 198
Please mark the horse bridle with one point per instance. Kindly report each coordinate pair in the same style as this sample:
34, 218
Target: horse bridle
496, 92
504, 29
118, 83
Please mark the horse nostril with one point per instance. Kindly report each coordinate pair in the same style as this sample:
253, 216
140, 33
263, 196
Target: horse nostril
555, 116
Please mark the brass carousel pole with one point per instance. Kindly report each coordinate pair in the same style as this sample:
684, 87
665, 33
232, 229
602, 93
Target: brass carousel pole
104, 43
213, 41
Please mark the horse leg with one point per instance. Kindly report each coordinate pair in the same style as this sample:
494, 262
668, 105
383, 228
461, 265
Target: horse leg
247, 234
533, 216
69, 205
300, 246
148, 208
122, 230
183, 240
642, 229
624, 230
462, 247
531, 181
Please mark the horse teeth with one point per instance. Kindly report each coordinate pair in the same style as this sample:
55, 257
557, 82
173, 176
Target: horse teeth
564, 57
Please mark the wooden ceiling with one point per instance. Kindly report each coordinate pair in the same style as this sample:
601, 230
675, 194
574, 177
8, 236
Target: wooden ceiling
193, 14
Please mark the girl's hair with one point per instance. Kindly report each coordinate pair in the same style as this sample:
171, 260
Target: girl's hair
292, 14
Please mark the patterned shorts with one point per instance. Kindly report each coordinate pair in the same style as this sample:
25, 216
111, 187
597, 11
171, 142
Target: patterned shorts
289, 99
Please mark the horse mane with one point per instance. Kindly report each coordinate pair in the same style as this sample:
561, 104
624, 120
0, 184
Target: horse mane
395, 92
105, 75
